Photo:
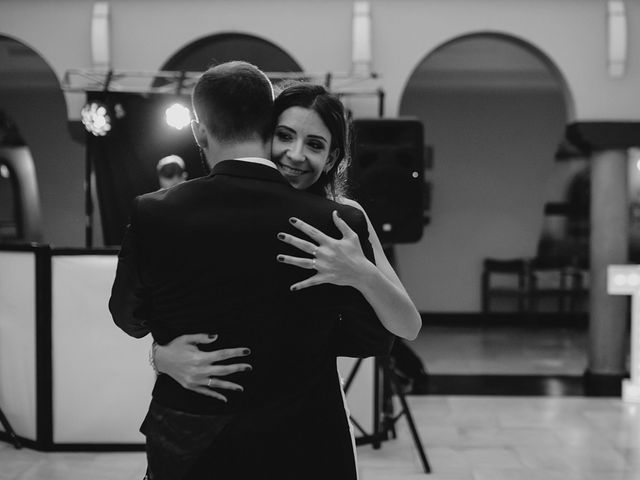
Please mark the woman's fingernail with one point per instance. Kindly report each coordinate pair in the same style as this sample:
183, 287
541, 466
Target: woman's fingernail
281, 236
246, 351
280, 258
294, 288
248, 368
213, 336
293, 220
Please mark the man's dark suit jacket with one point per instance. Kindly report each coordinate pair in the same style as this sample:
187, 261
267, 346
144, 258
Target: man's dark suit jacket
201, 258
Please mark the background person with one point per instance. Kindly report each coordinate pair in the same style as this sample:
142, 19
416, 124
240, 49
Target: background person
171, 171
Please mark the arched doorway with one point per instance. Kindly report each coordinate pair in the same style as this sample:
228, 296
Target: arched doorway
494, 110
224, 47
31, 96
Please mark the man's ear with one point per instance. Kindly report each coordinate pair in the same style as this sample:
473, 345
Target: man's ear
331, 161
200, 134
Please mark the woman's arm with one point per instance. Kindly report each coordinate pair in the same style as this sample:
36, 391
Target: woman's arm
342, 262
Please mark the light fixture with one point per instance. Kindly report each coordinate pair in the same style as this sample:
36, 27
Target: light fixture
96, 119
361, 53
617, 38
178, 116
4, 171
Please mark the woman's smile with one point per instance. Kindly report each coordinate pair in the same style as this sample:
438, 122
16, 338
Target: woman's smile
288, 170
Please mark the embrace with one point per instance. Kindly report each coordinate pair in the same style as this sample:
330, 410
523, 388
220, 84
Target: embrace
252, 280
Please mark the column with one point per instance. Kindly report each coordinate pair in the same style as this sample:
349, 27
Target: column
607, 144
608, 320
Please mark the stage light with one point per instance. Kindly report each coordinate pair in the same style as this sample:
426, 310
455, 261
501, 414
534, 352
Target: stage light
96, 118
178, 116
4, 171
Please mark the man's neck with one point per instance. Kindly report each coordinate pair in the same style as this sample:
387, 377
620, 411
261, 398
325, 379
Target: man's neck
241, 150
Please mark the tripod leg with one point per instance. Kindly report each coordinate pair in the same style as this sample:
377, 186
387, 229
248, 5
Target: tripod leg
387, 407
412, 426
377, 393
9, 430
352, 375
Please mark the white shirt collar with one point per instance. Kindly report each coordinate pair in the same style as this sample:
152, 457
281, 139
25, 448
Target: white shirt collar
261, 161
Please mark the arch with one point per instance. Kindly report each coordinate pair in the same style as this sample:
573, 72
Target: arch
31, 95
222, 47
23, 67
493, 112
538, 53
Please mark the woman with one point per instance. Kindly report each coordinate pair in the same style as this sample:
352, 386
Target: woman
310, 148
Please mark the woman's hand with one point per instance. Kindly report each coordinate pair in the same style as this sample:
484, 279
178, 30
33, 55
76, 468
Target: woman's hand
196, 370
337, 261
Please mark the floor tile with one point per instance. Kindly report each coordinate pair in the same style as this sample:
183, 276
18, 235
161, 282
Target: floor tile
573, 459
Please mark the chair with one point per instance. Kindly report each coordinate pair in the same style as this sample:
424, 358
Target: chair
505, 279
565, 284
558, 272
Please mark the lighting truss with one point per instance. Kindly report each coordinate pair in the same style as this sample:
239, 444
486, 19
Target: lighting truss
176, 82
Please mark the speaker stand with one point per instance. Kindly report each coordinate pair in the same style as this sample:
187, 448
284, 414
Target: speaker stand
386, 384
389, 418
7, 428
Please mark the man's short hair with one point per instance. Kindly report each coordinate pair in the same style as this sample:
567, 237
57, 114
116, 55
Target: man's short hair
234, 101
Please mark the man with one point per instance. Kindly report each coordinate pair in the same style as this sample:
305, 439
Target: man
201, 257
171, 171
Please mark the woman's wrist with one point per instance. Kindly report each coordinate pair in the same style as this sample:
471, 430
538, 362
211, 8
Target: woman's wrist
152, 357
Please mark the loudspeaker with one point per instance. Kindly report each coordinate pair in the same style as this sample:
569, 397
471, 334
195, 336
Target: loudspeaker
387, 176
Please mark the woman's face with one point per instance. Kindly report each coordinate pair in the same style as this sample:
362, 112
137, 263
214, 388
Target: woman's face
301, 147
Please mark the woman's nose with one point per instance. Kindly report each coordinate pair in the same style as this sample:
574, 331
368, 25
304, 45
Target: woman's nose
296, 152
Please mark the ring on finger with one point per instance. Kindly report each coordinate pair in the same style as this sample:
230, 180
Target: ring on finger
209, 382
315, 252
314, 263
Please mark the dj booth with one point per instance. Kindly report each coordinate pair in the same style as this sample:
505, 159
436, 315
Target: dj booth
69, 378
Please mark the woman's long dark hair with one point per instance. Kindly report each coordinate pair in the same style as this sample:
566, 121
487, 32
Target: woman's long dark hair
333, 183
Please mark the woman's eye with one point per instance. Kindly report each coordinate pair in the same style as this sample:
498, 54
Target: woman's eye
283, 136
316, 145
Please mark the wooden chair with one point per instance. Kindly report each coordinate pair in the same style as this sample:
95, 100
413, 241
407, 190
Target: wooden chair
505, 279
563, 284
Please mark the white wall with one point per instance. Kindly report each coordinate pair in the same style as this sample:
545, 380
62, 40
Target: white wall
572, 33
488, 195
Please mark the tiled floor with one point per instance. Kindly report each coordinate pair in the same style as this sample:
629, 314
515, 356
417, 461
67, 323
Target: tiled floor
515, 438
502, 350
466, 437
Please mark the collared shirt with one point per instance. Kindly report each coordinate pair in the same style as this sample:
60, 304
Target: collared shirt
261, 161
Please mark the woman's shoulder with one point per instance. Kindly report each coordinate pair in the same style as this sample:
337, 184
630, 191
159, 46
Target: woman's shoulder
350, 202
